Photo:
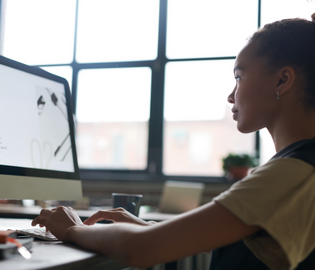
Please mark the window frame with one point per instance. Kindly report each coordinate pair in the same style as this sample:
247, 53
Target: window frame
154, 170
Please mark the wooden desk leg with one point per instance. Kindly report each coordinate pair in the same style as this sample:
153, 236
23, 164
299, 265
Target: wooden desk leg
170, 266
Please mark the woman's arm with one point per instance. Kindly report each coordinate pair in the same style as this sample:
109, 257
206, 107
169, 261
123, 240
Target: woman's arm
203, 229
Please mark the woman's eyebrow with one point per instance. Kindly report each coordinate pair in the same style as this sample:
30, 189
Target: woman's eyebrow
238, 68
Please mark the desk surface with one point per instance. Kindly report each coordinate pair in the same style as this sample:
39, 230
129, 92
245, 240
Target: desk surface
57, 255
54, 255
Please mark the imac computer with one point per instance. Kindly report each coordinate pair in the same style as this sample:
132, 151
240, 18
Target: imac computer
37, 148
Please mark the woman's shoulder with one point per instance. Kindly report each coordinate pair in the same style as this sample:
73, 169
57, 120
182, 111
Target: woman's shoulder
278, 196
303, 150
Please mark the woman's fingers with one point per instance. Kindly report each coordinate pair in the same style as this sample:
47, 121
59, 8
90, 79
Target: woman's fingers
58, 220
100, 215
41, 221
42, 218
115, 215
105, 214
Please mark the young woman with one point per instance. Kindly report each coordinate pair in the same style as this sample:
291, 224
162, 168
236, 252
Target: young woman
265, 221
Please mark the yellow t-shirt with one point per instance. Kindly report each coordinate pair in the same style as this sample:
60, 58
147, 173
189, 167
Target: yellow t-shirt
279, 197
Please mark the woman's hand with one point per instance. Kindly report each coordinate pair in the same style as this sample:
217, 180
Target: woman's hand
116, 215
58, 221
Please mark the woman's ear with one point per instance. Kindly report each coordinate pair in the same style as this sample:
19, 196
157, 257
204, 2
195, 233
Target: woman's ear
286, 78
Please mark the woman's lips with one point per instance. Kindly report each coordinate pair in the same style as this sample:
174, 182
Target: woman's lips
234, 111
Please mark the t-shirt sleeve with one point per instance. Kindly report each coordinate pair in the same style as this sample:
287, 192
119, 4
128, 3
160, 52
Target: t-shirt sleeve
279, 197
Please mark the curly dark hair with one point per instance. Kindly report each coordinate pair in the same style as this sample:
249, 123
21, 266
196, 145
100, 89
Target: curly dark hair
290, 42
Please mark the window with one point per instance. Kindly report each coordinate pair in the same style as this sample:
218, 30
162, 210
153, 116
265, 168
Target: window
198, 128
113, 31
38, 32
112, 117
203, 28
149, 79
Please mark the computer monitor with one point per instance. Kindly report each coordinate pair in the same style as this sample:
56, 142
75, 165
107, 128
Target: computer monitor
37, 148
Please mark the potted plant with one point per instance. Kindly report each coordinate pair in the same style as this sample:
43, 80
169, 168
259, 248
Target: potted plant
236, 166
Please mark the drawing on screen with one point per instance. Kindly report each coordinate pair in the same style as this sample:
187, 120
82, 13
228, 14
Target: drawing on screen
55, 143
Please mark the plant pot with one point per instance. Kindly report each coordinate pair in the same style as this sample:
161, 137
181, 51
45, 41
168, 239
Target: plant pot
236, 173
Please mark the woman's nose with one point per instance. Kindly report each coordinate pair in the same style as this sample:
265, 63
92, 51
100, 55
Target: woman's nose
231, 97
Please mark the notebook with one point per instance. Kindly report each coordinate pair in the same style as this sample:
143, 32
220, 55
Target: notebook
178, 197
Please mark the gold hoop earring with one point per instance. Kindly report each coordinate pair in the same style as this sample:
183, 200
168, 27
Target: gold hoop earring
278, 95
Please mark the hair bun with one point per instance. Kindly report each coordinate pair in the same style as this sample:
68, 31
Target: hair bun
313, 17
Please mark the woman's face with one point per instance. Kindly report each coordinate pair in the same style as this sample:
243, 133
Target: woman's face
254, 95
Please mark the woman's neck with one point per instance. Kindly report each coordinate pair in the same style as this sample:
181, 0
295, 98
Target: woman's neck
293, 130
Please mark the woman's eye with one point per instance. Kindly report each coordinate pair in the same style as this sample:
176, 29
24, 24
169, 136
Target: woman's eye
237, 78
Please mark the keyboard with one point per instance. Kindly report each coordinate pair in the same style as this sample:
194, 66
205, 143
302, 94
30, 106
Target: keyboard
39, 233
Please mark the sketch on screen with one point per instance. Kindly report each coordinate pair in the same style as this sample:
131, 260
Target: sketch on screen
55, 144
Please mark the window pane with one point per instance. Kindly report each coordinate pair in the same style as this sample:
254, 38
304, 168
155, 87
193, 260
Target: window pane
62, 71
198, 128
267, 147
205, 28
117, 30
113, 109
38, 32
273, 10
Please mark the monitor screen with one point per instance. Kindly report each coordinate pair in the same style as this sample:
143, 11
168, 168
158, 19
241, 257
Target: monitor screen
37, 148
